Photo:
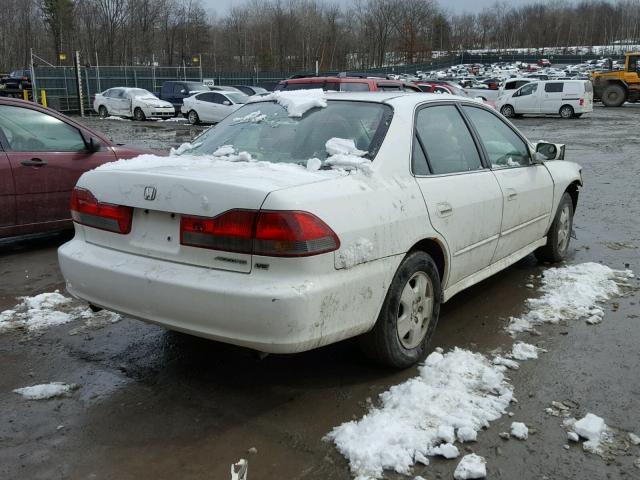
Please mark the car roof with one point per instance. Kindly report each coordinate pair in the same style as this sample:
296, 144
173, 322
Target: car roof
394, 98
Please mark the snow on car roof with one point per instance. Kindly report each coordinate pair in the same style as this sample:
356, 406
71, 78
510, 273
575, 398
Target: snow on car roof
385, 97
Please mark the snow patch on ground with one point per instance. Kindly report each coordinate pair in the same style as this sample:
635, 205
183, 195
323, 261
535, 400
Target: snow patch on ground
569, 293
470, 467
49, 310
524, 351
592, 428
297, 102
111, 117
356, 253
46, 390
519, 430
458, 389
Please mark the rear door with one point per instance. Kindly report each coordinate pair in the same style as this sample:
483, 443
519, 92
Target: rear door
203, 104
47, 156
218, 109
552, 97
527, 188
7, 193
463, 197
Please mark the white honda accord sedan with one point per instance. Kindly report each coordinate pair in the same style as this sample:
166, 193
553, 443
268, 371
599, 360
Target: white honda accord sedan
307, 218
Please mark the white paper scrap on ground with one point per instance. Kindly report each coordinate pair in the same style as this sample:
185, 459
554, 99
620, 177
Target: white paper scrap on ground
45, 391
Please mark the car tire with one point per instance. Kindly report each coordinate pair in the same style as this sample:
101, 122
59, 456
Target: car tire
103, 112
566, 111
559, 235
409, 314
614, 95
193, 117
508, 111
139, 115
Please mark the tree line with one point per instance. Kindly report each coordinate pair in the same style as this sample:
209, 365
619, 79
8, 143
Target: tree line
292, 35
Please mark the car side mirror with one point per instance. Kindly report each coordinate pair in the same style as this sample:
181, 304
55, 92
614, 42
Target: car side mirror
226, 102
545, 151
93, 145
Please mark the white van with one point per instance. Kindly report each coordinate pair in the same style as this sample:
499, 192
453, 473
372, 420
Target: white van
567, 98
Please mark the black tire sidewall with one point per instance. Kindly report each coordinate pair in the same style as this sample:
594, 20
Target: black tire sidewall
393, 352
509, 109
139, 115
553, 231
195, 115
568, 108
102, 109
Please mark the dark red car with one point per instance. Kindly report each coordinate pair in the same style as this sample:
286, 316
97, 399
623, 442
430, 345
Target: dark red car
346, 83
42, 155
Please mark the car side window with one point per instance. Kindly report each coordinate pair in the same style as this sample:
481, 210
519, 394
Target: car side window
448, 144
389, 87
177, 88
553, 87
206, 97
528, 89
503, 146
29, 130
419, 164
218, 98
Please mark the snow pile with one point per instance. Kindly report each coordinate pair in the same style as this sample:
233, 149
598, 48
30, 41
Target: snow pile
343, 154
524, 351
45, 391
314, 164
111, 117
36, 313
358, 252
471, 466
460, 390
297, 102
185, 147
49, 310
519, 430
570, 293
229, 153
506, 362
253, 117
592, 428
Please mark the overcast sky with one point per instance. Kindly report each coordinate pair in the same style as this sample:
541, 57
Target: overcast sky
457, 6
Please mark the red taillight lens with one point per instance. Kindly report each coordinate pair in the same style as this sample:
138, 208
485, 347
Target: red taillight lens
230, 231
292, 234
581, 101
268, 233
87, 210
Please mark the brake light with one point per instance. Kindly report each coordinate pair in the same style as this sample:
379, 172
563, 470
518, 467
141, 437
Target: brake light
268, 233
87, 210
581, 101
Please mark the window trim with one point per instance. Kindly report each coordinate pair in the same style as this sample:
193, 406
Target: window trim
487, 160
472, 132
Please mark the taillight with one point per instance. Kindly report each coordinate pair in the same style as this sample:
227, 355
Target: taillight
581, 101
87, 210
231, 231
268, 233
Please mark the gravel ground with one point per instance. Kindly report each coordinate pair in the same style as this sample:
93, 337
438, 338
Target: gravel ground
154, 404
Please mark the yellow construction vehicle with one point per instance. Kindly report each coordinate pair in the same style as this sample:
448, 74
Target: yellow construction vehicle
616, 87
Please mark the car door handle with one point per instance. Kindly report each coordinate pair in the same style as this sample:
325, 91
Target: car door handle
445, 209
511, 194
34, 162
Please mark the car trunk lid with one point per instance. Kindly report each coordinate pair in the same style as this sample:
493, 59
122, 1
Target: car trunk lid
163, 189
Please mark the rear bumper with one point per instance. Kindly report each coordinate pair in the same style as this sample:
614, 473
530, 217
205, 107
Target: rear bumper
262, 311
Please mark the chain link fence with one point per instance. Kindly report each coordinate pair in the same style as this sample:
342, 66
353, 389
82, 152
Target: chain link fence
60, 83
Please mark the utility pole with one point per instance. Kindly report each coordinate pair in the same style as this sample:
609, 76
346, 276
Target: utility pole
34, 87
79, 83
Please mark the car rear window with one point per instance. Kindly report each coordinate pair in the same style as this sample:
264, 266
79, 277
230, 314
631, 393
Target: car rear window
354, 87
267, 133
302, 86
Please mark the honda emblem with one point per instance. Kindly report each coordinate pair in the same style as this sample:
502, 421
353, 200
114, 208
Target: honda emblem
149, 193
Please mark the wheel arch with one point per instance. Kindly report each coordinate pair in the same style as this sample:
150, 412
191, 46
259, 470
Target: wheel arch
574, 192
438, 252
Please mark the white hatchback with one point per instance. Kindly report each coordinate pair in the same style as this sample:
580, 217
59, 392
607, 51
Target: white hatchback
308, 218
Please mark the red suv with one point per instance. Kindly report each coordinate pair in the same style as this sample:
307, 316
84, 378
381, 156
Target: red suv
344, 83
42, 155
